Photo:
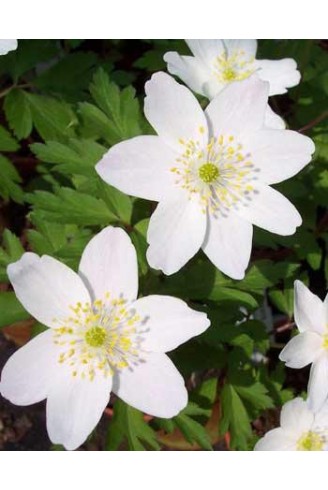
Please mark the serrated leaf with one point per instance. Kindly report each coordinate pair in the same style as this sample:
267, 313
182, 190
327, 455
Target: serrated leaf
121, 107
9, 181
78, 156
18, 113
72, 207
117, 202
256, 394
54, 119
129, 426
193, 431
234, 418
7, 142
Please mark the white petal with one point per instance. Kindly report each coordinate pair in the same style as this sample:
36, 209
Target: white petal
272, 120
296, 417
175, 234
238, 109
270, 210
7, 45
228, 244
301, 350
28, 373
174, 111
321, 417
206, 50
189, 69
281, 74
155, 386
309, 311
276, 440
318, 383
46, 287
109, 264
140, 167
170, 322
74, 407
248, 46
278, 155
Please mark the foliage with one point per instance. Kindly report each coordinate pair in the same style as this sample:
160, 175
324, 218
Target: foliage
63, 104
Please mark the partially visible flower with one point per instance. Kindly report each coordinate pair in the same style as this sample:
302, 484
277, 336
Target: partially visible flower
218, 62
311, 344
301, 429
7, 45
100, 338
211, 173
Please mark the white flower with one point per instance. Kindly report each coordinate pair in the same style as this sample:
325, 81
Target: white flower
7, 45
101, 338
301, 429
210, 172
218, 62
311, 345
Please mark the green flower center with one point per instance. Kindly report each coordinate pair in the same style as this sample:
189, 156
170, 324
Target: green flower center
310, 441
208, 173
95, 336
229, 75
325, 341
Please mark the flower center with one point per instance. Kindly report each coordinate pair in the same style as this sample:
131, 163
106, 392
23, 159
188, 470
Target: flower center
234, 67
310, 441
208, 172
95, 336
325, 341
219, 174
100, 337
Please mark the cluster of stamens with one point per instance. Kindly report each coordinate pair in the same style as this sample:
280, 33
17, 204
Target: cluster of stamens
234, 67
100, 337
219, 174
311, 441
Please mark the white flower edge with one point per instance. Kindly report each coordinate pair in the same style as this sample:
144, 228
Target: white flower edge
310, 346
7, 45
75, 405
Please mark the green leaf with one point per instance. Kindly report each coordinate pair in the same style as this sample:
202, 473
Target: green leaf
18, 113
69, 76
7, 142
128, 426
53, 119
9, 181
11, 251
256, 395
97, 125
193, 431
118, 203
283, 300
72, 207
78, 156
234, 418
121, 107
11, 311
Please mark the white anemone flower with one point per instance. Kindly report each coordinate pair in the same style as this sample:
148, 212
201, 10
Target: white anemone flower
311, 344
301, 429
7, 45
101, 338
218, 62
210, 172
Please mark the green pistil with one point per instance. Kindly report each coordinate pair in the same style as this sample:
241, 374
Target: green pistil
95, 336
208, 172
311, 441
